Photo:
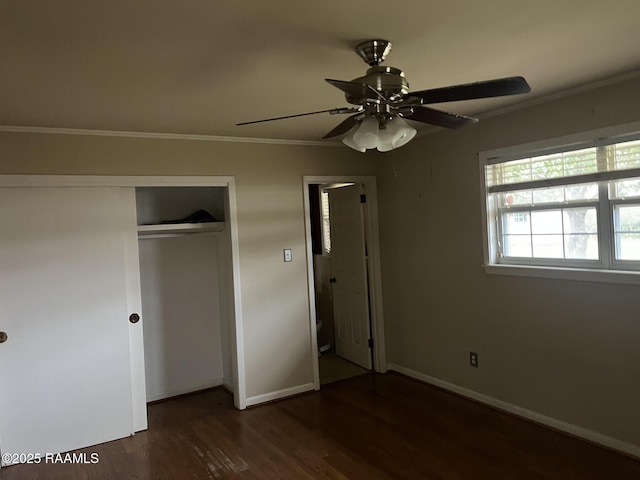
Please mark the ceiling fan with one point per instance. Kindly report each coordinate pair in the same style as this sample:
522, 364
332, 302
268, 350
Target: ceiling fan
382, 100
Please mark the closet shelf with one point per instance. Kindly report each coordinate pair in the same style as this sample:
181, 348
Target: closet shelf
171, 229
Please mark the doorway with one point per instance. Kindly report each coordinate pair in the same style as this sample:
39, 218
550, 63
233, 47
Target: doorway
345, 298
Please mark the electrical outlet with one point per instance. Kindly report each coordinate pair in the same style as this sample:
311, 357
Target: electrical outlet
473, 359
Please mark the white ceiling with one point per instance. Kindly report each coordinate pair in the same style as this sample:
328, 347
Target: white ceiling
200, 66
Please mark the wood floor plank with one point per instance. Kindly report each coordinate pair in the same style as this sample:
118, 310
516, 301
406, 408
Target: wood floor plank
369, 427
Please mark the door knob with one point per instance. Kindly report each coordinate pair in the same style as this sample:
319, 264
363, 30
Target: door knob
3, 337
134, 318
332, 280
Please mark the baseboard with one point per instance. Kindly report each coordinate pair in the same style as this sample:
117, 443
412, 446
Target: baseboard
181, 391
589, 435
279, 394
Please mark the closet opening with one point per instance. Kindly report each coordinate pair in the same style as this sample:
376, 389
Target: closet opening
184, 246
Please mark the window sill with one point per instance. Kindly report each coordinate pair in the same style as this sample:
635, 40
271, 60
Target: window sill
578, 274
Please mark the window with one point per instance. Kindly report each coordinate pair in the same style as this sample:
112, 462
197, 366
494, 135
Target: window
575, 206
326, 223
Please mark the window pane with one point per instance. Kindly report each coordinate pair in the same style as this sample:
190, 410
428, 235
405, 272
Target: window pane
548, 195
548, 246
627, 155
547, 166
627, 232
580, 162
517, 245
580, 220
556, 165
513, 172
546, 221
587, 191
627, 246
516, 223
627, 188
628, 218
523, 197
580, 228
326, 223
581, 246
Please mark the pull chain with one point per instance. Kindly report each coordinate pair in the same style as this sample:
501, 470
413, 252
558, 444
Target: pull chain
393, 162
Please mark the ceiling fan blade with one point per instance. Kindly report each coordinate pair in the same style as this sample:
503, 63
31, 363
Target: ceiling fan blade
491, 88
332, 111
354, 89
440, 118
343, 127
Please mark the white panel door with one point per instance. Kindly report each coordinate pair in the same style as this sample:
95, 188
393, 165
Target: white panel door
65, 367
349, 273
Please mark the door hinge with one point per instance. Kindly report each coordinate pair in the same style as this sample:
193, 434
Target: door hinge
371, 343
363, 198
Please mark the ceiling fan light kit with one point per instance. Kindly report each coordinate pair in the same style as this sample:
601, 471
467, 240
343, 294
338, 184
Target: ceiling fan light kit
368, 135
382, 101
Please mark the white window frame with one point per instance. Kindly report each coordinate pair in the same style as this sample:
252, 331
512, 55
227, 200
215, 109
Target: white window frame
606, 269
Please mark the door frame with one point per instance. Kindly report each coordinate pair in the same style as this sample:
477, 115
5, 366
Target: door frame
136, 339
374, 272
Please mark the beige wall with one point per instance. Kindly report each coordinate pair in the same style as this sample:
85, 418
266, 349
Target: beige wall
565, 349
270, 218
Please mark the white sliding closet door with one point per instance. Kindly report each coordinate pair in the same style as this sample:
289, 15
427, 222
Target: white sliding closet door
65, 367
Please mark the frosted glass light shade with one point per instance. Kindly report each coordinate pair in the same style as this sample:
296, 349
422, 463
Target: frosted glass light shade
404, 133
396, 134
349, 142
367, 134
385, 147
386, 136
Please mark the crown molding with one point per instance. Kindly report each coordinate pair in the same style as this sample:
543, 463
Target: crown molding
163, 136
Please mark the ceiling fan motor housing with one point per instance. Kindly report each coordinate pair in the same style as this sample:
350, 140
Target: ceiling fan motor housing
389, 81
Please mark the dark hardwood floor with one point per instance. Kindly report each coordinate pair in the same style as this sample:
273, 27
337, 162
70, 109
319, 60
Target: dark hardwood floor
368, 427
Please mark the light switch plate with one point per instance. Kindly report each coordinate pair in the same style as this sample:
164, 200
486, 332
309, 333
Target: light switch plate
288, 255
473, 359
